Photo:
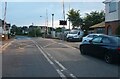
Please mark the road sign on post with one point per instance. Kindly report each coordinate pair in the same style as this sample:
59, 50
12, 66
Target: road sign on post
62, 22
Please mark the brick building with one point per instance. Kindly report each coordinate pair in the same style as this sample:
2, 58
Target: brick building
112, 16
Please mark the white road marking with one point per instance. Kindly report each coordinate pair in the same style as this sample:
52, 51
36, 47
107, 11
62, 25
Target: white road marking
62, 75
58, 71
63, 68
57, 62
72, 75
6, 45
60, 65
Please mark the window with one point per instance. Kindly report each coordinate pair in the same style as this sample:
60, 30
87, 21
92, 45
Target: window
106, 41
109, 30
97, 40
90, 36
112, 7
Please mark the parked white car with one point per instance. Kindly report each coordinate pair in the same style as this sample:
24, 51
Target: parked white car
75, 35
89, 37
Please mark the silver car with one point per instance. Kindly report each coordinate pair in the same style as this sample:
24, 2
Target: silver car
89, 37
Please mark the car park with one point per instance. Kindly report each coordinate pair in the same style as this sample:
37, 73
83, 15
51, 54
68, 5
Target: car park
107, 47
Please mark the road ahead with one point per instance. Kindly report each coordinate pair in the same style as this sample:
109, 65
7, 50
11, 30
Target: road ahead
39, 57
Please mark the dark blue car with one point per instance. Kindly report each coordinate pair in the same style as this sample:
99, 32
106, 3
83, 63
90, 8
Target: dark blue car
105, 46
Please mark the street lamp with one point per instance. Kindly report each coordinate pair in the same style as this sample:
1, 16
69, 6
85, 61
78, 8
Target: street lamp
52, 24
45, 27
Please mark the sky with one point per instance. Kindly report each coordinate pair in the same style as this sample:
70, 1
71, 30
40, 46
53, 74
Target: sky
26, 13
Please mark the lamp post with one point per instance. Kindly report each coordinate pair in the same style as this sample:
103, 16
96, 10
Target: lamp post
45, 25
52, 24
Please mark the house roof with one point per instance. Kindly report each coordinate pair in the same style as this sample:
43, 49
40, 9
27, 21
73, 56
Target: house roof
102, 24
106, 1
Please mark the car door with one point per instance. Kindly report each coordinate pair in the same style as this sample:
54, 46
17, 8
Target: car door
95, 45
105, 44
100, 46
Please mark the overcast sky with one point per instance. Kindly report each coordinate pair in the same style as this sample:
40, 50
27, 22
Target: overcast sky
26, 13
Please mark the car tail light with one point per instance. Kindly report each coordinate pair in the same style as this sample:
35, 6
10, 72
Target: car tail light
118, 49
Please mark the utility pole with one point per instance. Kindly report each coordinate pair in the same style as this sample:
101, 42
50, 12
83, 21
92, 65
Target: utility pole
5, 16
52, 23
47, 21
69, 20
64, 20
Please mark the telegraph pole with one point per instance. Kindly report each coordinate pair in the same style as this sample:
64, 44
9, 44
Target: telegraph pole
5, 16
47, 21
52, 24
64, 20
69, 20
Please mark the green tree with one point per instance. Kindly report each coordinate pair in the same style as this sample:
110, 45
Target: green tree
38, 32
16, 30
32, 32
74, 18
24, 30
19, 31
93, 18
13, 29
59, 29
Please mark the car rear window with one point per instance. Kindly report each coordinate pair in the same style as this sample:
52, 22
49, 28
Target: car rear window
116, 40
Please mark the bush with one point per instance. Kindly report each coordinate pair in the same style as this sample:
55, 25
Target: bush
32, 33
36, 32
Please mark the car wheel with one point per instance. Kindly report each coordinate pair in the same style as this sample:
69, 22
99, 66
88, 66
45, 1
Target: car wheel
108, 58
67, 39
82, 51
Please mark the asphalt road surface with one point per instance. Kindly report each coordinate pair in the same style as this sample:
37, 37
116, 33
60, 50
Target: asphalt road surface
40, 57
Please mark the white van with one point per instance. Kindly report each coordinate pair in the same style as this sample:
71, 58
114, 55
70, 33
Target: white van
75, 35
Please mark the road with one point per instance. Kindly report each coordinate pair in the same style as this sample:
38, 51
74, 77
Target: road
40, 57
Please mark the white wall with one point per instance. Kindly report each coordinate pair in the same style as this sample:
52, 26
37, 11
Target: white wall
113, 15
119, 10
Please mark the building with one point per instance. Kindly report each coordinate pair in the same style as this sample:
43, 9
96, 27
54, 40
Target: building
112, 16
98, 28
